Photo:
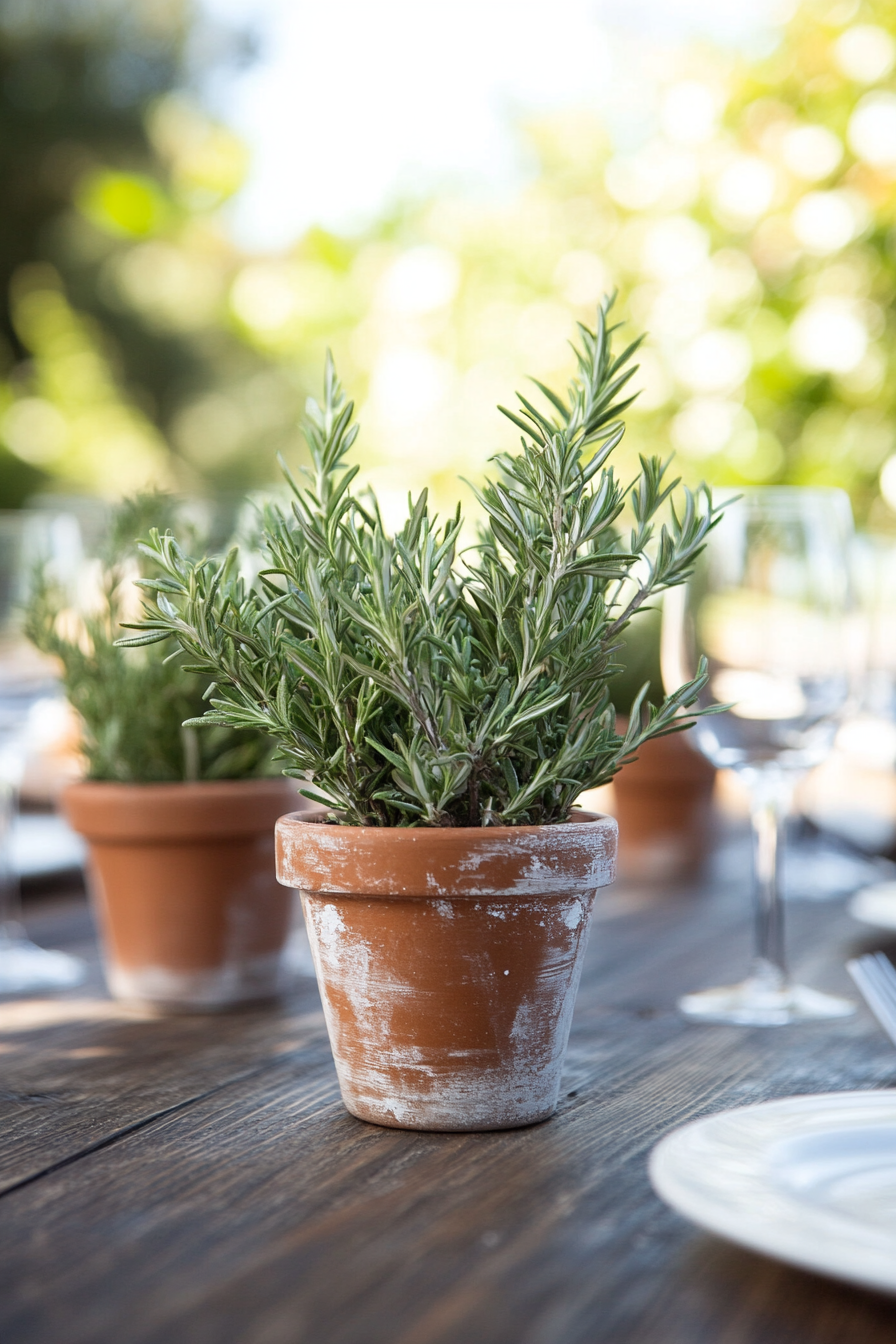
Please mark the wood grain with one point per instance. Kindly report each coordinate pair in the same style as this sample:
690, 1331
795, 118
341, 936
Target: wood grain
77, 1069
203, 1182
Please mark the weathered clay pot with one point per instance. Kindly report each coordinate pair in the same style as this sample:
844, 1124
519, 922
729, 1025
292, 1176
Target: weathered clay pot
448, 961
664, 809
183, 883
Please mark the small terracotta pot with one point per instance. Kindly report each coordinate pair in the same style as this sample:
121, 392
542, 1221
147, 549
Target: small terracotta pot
664, 809
448, 961
183, 883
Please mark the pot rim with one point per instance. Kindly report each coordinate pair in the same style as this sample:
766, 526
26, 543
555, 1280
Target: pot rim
453, 861
108, 812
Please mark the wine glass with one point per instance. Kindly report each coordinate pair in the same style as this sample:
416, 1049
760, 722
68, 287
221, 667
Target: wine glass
769, 607
874, 575
28, 539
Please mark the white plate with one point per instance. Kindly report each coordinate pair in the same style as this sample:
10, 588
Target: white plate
810, 1180
875, 905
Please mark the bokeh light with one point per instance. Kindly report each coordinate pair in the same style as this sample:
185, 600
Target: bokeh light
741, 197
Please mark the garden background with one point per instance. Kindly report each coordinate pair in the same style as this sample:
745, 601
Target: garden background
737, 187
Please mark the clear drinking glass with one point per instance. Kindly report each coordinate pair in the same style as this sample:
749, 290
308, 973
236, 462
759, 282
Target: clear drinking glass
769, 607
28, 539
874, 574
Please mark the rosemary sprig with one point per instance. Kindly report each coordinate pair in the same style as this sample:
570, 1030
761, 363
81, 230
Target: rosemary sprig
408, 685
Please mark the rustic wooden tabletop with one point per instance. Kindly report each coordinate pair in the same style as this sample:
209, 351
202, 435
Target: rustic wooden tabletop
196, 1179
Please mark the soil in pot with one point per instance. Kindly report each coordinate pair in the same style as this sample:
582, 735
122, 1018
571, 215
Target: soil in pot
184, 888
448, 961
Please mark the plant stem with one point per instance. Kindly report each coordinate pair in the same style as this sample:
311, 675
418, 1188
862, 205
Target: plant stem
474, 818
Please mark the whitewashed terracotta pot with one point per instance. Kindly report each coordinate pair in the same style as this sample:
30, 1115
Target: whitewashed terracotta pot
448, 961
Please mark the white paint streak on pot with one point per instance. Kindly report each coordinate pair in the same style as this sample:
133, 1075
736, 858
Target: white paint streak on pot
448, 961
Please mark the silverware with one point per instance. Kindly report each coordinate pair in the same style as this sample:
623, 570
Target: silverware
875, 977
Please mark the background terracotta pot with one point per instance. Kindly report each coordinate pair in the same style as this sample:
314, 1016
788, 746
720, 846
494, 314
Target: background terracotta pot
183, 883
448, 961
664, 809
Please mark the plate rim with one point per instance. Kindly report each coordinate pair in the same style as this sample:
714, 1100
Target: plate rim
759, 1232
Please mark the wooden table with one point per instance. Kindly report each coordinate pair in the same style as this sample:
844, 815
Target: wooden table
196, 1179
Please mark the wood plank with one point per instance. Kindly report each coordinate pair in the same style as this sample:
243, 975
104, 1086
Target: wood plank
261, 1213
76, 1069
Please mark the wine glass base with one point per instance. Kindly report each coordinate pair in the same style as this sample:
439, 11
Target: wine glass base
26, 968
755, 1003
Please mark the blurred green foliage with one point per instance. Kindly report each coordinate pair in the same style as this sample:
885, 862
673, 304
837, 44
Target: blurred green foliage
114, 271
747, 219
766, 267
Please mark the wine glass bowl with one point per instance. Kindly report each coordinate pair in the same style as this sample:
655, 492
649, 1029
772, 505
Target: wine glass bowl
769, 608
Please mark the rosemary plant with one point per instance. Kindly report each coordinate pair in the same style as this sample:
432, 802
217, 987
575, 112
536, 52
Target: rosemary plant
132, 703
410, 685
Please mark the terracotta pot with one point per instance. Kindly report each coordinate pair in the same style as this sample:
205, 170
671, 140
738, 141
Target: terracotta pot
183, 883
448, 961
664, 809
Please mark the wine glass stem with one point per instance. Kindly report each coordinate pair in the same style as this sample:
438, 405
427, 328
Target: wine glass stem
770, 793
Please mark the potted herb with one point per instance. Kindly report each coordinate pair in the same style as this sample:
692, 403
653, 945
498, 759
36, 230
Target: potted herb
446, 711
179, 823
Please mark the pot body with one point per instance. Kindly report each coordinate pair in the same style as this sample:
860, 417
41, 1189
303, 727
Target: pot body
183, 884
448, 961
664, 809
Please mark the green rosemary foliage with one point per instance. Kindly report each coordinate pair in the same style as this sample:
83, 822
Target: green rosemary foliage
412, 686
133, 703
